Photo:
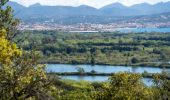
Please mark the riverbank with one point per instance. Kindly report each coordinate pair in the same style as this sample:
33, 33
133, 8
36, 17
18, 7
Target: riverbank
144, 75
146, 64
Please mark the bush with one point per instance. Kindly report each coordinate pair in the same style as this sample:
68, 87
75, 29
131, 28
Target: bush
125, 86
134, 60
80, 70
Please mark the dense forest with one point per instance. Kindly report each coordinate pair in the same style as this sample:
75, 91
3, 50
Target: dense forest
144, 49
22, 77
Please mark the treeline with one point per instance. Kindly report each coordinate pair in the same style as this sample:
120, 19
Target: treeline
99, 48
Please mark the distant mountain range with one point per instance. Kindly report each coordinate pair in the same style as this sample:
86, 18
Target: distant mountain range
39, 12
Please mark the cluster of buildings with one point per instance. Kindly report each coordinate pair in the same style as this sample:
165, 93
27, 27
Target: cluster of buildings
88, 27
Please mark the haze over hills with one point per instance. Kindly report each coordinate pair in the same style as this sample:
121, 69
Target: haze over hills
83, 13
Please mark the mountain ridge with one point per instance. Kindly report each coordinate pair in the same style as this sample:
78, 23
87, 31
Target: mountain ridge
85, 12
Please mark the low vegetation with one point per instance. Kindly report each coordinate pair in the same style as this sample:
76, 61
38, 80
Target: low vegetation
124, 86
144, 49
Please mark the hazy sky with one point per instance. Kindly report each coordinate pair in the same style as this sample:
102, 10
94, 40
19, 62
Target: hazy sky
94, 3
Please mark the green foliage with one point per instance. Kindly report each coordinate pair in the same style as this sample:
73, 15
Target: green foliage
8, 51
80, 70
3, 2
24, 79
98, 48
21, 77
162, 87
134, 60
79, 95
121, 86
7, 20
125, 86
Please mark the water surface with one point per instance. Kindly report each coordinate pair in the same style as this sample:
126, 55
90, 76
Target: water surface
102, 68
138, 30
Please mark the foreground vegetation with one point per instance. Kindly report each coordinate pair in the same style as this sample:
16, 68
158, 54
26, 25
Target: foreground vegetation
21, 77
144, 49
124, 86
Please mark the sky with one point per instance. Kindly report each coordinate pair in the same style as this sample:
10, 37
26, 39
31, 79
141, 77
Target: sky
93, 3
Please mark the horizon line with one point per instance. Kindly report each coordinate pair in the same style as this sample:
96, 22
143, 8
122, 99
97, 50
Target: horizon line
90, 5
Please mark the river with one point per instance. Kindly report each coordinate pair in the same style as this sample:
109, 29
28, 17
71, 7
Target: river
101, 69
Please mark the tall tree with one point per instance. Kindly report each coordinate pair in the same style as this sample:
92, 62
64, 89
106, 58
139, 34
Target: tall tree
21, 77
7, 20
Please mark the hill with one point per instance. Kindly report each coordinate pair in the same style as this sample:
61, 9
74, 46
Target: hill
84, 13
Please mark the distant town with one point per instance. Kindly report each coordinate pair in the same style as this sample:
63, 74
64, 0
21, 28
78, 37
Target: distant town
88, 27
85, 18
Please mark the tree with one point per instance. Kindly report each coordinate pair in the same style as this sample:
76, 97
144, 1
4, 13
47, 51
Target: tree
134, 60
21, 77
7, 50
7, 20
125, 86
92, 60
162, 87
80, 70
